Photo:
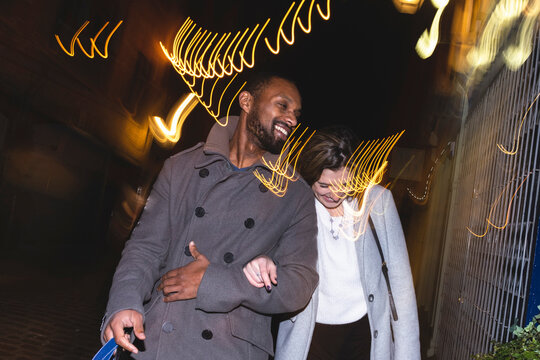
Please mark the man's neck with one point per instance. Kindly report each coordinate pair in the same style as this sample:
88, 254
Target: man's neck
243, 152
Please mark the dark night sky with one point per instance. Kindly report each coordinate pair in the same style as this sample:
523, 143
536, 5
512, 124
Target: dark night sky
355, 68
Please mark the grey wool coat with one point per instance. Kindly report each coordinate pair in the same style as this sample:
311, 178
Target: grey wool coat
232, 218
294, 335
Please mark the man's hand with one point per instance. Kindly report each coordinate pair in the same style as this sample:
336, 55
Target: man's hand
125, 319
183, 283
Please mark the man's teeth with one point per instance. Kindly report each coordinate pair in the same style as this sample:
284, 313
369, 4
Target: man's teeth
282, 130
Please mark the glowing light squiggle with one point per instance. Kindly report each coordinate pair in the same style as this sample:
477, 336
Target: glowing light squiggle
422, 199
284, 169
516, 137
425, 46
366, 168
494, 205
281, 33
198, 54
515, 55
497, 26
171, 132
93, 47
191, 61
207, 105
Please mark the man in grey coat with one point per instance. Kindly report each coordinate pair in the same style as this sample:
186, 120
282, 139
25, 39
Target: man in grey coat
179, 283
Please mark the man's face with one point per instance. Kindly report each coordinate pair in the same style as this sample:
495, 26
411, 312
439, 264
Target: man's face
274, 114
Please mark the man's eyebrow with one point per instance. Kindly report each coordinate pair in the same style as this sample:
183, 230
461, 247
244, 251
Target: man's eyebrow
286, 97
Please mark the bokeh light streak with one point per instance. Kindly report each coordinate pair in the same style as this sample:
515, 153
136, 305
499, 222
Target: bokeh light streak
497, 26
189, 62
494, 205
208, 105
171, 132
281, 34
517, 136
93, 47
284, 169
424, 197
425, 46
196, 56
516, 55
365, 166
355, 221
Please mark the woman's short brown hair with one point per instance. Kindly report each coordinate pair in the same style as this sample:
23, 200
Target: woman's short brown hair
329, 148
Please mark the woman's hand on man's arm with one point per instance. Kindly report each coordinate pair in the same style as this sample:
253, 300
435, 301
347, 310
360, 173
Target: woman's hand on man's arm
261, 271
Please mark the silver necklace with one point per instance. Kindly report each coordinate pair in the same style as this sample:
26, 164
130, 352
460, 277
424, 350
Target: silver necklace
335, 233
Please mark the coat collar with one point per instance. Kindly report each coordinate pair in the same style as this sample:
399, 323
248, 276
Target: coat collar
217, 145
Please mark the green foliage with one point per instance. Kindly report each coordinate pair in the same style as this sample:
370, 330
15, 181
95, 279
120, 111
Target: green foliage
526, 344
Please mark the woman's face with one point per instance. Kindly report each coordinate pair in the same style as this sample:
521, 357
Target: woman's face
322, 188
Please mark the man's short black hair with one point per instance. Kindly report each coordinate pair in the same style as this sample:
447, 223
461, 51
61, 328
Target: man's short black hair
256, 82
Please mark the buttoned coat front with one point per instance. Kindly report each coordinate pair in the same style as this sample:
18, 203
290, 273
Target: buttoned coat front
232, 217
294, 335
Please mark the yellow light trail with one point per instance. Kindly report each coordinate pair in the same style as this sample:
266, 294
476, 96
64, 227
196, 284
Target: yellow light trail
425, 46
366, 169
517, 137
515, 55
424, 197
171, 131
366, 166
295, 19
207, 105
199, 59
495, 31
284, 169
494, 205
198, 54
93, 47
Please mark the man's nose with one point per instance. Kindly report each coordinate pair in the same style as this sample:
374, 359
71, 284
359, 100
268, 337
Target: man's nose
290, 119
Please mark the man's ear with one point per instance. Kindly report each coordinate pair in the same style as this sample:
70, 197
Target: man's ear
245, 101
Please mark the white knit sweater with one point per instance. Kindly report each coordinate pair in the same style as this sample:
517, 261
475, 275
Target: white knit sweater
341, 297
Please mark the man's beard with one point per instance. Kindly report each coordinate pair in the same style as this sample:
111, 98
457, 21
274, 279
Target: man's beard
265, 138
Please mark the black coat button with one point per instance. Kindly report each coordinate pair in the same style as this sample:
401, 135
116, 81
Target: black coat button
370, 298
262, 188
204, 172
186, 251
249, 223
167, 327
207, 334
375, 334
228, 257
199, 212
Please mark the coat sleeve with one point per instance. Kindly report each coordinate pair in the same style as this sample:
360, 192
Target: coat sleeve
143, 253
406, 331
224, 288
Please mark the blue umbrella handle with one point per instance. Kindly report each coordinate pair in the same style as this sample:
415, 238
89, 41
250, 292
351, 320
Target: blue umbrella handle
107, 351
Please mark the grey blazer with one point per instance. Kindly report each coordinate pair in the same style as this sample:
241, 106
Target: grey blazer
294, 335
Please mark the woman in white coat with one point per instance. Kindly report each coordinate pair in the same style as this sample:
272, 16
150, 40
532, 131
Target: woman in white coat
356, 312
